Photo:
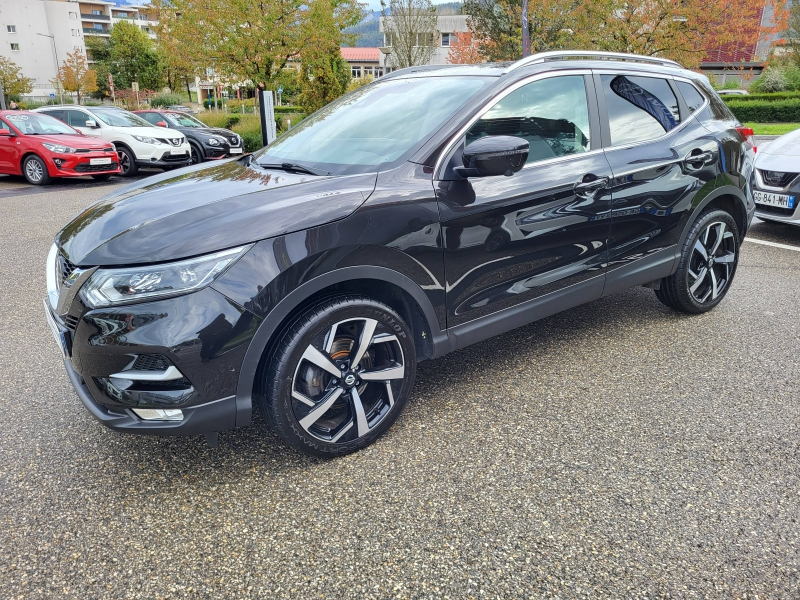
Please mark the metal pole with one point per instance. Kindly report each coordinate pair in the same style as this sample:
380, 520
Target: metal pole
262, 108
526, 34
2, 97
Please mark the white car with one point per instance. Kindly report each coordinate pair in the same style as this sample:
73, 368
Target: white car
138, 143
775, 183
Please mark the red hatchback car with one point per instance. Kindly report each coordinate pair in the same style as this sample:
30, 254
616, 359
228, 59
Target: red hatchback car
41, 147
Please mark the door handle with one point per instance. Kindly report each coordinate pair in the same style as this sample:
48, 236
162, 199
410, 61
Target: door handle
694, 159
588, 189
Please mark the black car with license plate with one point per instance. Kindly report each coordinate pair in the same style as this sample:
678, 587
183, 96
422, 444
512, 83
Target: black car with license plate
431, 209
207, 143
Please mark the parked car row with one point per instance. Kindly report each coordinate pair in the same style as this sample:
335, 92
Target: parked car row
64, 141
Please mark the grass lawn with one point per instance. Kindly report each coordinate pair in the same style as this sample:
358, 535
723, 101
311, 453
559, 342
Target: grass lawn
772, 128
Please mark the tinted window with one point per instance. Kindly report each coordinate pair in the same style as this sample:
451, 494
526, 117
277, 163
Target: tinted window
120, 118
151, 117
77, 118
57, 113
718, 108
639, 108
551, 114
691, 96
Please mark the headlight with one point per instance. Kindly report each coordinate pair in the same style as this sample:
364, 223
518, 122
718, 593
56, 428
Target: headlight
107, 287
58, 148
146, 140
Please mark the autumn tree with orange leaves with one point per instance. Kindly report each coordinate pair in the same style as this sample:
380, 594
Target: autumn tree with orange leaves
465, 51
76, 76
682, 30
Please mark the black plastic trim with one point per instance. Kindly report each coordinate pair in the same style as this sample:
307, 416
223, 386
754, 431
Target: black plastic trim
725, 190
212, 416
653, 267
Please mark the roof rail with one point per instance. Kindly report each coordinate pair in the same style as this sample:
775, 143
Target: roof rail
596, 54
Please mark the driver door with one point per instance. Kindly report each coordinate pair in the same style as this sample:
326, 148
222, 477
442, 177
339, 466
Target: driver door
518, 248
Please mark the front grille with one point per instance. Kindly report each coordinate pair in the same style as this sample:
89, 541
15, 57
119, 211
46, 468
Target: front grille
82, 150
777, 178
65, 268
775, 210
151, 362
175, 157
71, 322
86, 168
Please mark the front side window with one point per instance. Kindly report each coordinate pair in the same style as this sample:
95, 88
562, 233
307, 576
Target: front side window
77, 118
180, 120
377, 124
639, 108
551, 114
120, 118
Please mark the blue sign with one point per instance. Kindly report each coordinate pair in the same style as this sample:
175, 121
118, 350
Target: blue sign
280, 89
52, 95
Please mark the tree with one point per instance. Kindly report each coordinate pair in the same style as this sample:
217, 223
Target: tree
76, 76
132, 56
466, 51
496, 26
410, 27
247, 40
793, 32
324, 75
12, 79
681, 30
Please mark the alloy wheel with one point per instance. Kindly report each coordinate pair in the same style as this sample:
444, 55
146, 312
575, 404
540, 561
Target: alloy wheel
711, 263
195, 156
34, 170
124, 161
346, 381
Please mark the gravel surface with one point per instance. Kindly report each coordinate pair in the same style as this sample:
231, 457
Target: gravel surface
615, 450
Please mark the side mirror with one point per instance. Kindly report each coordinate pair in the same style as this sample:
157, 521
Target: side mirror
6, 133
161, 124
494, 155
91, 123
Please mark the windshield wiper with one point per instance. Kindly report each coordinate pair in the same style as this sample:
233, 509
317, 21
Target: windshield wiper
294, 167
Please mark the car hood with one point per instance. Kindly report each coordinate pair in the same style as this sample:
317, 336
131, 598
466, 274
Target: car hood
75, 141
782, 154
212, 131
155, 132
206, 208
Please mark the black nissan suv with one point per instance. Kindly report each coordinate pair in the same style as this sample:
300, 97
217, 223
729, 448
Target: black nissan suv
426, 211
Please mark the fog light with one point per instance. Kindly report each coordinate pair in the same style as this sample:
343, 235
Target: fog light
58, 161
159, 414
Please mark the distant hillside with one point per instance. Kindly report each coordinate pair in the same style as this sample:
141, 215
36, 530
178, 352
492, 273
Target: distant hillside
370, 37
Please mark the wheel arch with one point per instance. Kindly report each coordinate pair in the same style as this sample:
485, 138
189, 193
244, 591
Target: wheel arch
380, 283
728, 198
29, 153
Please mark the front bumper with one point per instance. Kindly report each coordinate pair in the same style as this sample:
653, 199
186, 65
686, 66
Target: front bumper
203, 336
774, 213
161, 155
69, 165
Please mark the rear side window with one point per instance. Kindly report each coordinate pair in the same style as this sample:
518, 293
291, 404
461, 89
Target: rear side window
152, 117
56, 113
718, 108
551, 114
639, 108
691, 96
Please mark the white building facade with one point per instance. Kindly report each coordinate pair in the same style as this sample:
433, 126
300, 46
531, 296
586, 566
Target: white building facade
447, 29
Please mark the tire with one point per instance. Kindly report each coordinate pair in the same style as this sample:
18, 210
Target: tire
196, 154
35, 170
127, 162
102, 177
322, 414
707, 265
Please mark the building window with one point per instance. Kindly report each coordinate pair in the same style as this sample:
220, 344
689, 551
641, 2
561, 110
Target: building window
11, 28
367, 71
424, 39
73, 15
448, 39
15, 47
387, 40
97, 12
97, 26
355, 71
122, 15
75, 33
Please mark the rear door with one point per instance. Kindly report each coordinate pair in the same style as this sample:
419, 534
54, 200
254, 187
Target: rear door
515, 242
661, 158
8, 151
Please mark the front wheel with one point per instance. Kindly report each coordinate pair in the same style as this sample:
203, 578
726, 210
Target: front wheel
127, 162
35, 171
339, 376
197, 156
707, 265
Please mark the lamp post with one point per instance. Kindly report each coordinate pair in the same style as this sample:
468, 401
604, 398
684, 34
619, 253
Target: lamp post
526, 34
55, 56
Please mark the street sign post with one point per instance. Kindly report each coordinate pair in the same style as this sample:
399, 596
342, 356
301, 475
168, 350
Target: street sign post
111, 88
267, 108
135, 88
280, 92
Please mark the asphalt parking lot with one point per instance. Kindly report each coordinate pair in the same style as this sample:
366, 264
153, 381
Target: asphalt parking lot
615, 450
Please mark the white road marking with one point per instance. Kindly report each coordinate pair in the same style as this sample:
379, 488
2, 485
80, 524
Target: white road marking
773, 244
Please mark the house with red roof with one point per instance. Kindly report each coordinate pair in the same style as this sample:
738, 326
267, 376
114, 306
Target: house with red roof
364, 62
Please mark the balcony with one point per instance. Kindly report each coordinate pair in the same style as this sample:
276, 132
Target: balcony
93, 31
124, 18
86, 17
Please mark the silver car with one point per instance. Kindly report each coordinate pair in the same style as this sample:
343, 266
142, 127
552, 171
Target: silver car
776, 180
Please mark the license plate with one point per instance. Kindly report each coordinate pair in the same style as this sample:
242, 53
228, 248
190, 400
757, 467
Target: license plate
99, 161
179, 151
779, 200
59, 335
236, 150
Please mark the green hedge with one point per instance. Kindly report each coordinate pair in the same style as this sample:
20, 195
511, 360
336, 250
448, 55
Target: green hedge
777, 111
762, 97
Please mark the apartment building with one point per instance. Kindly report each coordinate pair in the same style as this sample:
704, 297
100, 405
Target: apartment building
447, 29
97, 18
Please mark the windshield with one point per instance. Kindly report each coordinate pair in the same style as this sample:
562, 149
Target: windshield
35, 124
375, 125
120, 118
183, 120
